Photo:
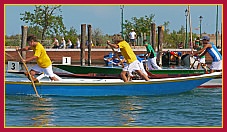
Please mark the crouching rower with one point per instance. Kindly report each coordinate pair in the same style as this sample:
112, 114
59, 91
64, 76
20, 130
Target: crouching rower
129, 55
43, 65
214, 53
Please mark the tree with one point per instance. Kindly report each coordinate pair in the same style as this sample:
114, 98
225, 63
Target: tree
141, 25
166, 25
35, 30
97, 37
71, 34
47, 19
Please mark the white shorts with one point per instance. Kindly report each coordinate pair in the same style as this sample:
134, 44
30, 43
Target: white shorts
216, 65
136, 65
142, 68
48, 71
202, 60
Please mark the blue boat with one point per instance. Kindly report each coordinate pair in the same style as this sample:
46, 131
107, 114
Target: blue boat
107, 87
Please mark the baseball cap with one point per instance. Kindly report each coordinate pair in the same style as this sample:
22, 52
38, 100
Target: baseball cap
205, 38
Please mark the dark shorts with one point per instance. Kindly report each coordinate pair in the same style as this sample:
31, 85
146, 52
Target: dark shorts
132, 40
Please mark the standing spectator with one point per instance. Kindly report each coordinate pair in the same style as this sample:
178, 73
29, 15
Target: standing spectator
77, 43
129, 55
92, 43
151, 56
132, 37
210, 48
55, 43
63, 44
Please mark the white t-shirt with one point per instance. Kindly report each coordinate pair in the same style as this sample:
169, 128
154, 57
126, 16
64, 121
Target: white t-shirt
132, 35
70, 43
56, 42
63, 43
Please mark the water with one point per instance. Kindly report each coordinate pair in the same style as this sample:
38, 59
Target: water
196, 108
200, 107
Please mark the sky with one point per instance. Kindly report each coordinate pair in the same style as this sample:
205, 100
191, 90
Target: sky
108, 17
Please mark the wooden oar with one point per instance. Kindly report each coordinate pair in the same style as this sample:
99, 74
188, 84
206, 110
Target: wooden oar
192, 65
33, 84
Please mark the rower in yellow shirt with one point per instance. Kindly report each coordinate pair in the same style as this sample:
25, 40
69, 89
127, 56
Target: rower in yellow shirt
44, 64
130, 57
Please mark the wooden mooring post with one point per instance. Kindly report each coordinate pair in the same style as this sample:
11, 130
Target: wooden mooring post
24, 30
153, 36
82, 46
89, 34
160, 43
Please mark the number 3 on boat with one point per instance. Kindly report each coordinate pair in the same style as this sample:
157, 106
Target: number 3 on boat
13, 66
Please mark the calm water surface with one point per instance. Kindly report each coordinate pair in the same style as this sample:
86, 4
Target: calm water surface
200, 107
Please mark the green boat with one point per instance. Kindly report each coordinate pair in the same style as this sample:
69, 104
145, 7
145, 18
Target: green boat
117, 70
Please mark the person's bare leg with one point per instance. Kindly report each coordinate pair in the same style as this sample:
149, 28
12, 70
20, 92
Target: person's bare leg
142, 75
198, 66
54, 78
205, 67
123, 76
134, 43
32, 73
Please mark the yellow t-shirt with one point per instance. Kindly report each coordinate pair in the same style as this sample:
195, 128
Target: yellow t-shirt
127, 52
43, 59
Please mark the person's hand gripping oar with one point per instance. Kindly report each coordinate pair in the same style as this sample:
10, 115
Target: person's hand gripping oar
122, 64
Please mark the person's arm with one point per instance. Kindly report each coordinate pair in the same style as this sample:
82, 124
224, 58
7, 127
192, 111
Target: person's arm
203, 53
121, 61
203, 49
112, 45
23, 49
30, 59
148, 54
149, 50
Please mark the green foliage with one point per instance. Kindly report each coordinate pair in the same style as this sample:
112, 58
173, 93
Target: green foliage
35, 30
13, 40
72, 35
98, 38
141, 25
45, 19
